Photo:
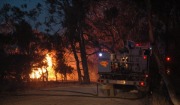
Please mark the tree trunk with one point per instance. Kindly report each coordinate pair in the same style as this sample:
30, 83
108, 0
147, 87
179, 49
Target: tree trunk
77, 61
151, 38
65, 75
84, 58
56, 76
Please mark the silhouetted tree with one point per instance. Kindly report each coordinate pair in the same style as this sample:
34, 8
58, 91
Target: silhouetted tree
74, 29
16, 43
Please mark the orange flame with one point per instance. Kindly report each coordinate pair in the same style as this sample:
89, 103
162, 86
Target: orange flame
49, 71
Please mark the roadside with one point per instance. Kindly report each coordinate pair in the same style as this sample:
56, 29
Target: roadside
73, 94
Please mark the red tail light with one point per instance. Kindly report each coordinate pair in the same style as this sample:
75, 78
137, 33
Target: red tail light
168, 59
137, 44
141, 83
146, 76
145, 57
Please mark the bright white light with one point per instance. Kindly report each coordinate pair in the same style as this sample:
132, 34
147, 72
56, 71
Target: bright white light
100, 54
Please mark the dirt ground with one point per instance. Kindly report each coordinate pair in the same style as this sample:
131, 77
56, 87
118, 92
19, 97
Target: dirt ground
69, 95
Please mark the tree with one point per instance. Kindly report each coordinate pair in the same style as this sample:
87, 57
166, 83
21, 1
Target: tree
110, 23
62, 67
18, 41
74, 29
24, 36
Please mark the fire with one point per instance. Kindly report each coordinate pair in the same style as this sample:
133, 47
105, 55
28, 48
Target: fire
45, 72
50, 67
49, 60
48, 73
37, 73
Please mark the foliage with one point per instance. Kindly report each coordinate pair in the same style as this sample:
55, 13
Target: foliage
24, 36
15, 46
111, 22
62, 67
15, 67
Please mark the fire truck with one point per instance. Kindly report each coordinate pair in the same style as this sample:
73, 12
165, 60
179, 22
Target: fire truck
126, 69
